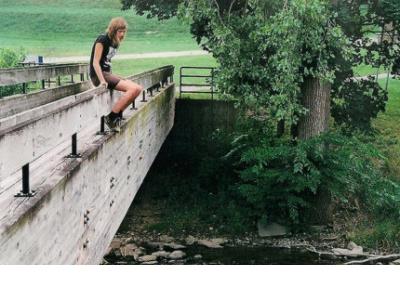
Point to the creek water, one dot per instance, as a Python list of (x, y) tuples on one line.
[(234, 256)]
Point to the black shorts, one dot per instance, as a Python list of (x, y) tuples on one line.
[(112, 80)]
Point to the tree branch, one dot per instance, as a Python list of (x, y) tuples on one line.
[(374, 259)]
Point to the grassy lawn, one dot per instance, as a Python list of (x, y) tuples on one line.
[(130, 67), (388, 126), (62, 28)]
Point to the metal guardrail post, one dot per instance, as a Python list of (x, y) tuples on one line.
[(144, 97), (74, 152), (102, 129), (212, 91), (26, 191)]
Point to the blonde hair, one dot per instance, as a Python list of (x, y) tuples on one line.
[(116, 24)]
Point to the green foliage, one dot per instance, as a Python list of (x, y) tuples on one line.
[(278, 179), (378, 234), (357, 102), (8, 59), (266, 51)]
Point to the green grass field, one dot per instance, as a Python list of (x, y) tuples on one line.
[(388, 126), (63, 28)]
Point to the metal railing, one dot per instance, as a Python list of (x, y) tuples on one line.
[(152, 81), (42, 73), (210, 77)]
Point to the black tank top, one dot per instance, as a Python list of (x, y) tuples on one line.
[(109, 51)]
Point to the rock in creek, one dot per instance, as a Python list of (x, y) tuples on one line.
[(162, 254), (190, 240), (178, 254), (166, 238), (272, 229), (147, 258), (209, 243), (396, 262), (149, 263), (174, 246), (353, 250), (116, 243)]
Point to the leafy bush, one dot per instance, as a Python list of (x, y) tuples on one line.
[(9, 59), (356, 103), (279, 178)]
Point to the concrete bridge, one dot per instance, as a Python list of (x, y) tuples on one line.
[(72, 206)]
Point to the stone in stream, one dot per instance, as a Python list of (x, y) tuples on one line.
[(131, 246), (115, 243), (190, 240), (149, 263), (126, 251), (396, 262), (353, 250), (174, 246), (209, 243), (178, 254), (166, 238), (198, 256), (162, 254), (147, 258), (272, 229)]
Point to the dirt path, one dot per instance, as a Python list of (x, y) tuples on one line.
[(72, 59)]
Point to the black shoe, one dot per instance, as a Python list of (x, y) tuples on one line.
[(114, 125)]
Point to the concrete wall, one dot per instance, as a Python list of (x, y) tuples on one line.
[(14, 76), (12, 105), (80, 203)]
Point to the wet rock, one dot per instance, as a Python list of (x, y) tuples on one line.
[(115, 243), (190, 240), (272, 229), (177, 262), (209, 243), (147, 258), (353, 250), (140, 251), (353, 246), (220, 241), (121, 263), (149, 262), (162, 254), (131, 246), (174, 246), (198, 256), (396, 262), (166, 238), (178, 254), (126, 251)]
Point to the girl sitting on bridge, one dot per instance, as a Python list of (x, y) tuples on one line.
[(104, 48)]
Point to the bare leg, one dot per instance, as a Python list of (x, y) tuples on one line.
[(131, 91)]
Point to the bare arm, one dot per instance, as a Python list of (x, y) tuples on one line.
[(98, 50)]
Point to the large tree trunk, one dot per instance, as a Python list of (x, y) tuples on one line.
[(316, 99)]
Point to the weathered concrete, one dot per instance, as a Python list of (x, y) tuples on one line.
[(81, 202), (32, 133), (12, 105), (14, 76)]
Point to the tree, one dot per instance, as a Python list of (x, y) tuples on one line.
[(287, 61)]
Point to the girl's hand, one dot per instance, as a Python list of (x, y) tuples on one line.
[(104, 84)]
